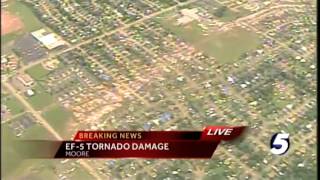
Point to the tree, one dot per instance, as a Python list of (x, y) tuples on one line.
[(220, 11)]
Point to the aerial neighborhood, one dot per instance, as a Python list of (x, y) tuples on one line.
[(69, 65)]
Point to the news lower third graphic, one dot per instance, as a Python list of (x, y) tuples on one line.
[(139, 144)]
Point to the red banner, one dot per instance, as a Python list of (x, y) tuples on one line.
[(147, 144)]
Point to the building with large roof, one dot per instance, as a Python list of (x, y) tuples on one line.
[(48, 39)]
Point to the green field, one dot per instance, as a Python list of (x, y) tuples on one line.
[(225, 47), (37, 132), (15, 165), (41, 99), (219, 11), (12, 104), (26, 15), (80, 174), (228, 46), (10, 156), (37, 72), (5, 39), (58, 118)]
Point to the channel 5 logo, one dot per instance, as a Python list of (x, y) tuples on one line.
[(279, 143)]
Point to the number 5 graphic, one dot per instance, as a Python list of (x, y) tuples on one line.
[(279, 143)]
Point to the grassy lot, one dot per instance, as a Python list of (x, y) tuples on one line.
[(222, 13), (14, 165), (5, 39), (80, 174), (41, 99), (45, 172), (26, 15), (37, 132), (13, 162), (12, 104), (229, 15), (226, 46), (37, 72), (58, 118), (10, 157)]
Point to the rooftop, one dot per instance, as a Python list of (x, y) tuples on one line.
[(49, 40)]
